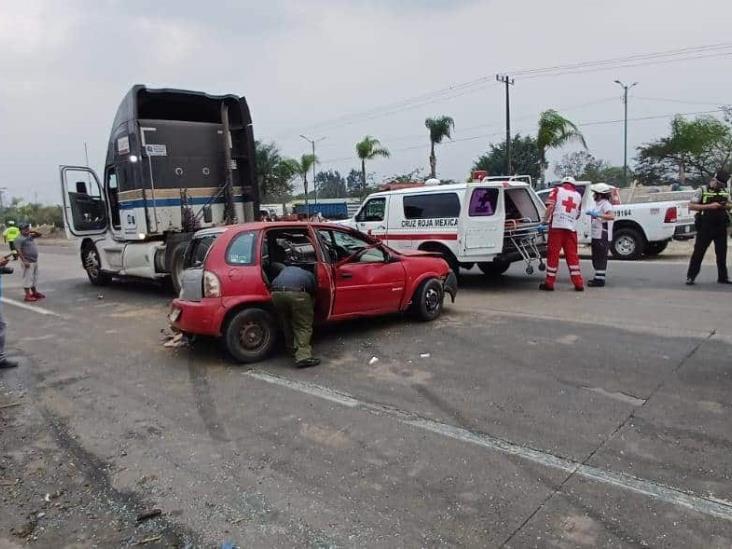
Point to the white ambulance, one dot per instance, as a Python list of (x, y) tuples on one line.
[(491, 222)]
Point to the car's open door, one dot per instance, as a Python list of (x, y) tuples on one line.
[(482, 220), (85, 210)]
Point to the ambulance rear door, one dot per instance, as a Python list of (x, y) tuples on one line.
[(482, 221)]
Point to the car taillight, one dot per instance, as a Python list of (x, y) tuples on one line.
[(211, 285), (671, 215)]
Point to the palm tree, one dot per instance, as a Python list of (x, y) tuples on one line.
[(439, 129), (302, 167), (368, 149), (555, 131)]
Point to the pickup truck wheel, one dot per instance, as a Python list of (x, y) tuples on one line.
[(428, 300), (655, 248), (628, 244), (93, 266), (494, 268), (250, 335)]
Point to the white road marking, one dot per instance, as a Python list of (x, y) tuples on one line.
[(702, 504), (34, 308)]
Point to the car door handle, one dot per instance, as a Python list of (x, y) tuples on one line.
[(345, 274)]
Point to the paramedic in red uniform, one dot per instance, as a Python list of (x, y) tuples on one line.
[(562, 213)]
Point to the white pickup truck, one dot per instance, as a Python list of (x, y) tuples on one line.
[(639, 229)]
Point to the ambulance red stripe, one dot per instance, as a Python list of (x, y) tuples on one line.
[(419, 236)]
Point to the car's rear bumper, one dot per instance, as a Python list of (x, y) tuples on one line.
[(685, 231), (203, 317)]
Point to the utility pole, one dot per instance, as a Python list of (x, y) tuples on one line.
[(625, 131), (315, 186), (503, 78)]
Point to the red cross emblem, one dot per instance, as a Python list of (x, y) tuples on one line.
[(569, 204)]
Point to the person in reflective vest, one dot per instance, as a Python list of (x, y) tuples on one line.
[(562, 213), (712, 205), (10, 235)]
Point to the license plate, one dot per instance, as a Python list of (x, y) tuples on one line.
[(174, 314)]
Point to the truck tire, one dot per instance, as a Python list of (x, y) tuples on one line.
[(655, 248), (176, 268), (428, 299), (250, 334), (494, 268), (628, 244), (93, 266)]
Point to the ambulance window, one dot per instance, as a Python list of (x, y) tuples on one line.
[(483, 202), (431, 205), (373, 210)]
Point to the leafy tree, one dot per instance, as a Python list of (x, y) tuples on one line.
[(368, 149), (555, 131), (354, 183), (585, 167), (274, 173), (331, 184), (439, 128), (525, 157), (33, 213), (693, 151)]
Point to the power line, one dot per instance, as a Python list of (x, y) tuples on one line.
[(472, 86), (682, 101)]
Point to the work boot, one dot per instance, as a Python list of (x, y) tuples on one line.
[(545, 287), (307, 362), (594, 283), (689, 281), (6, 363)]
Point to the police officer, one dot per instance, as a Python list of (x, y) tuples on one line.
[(293, 291), (712, 219), (10, 234)]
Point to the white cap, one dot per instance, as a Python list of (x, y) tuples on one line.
[(601, 188), (569, 179)]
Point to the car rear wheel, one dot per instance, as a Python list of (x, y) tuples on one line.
[(428, 300), (250, 335), (494, 268), (628, 244), (93, 266)]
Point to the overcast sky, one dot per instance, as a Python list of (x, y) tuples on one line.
[(65, 65)]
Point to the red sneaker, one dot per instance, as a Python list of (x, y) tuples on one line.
[(39, 295), (29, 297)]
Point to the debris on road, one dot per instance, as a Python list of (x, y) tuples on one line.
[(12, 404), (152, 513), (149, 540), (424, 355), (373, 360), (177, 340), (100, 296)]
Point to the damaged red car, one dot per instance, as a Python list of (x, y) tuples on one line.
[(225, 285)]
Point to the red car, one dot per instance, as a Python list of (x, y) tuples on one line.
[(225, 284)]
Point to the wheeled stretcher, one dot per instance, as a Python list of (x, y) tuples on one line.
[(523, 236)]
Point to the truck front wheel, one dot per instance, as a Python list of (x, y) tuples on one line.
[(250, 335), (628, 244), (93, 266)]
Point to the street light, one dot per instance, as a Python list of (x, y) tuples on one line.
[(625, 140), (315, 186)]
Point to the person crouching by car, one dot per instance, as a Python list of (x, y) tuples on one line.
[(27, 250), (601, 228)]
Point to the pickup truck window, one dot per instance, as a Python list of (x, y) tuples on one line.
[(373, 210), (483, 202), (241, 249), (431, 206)]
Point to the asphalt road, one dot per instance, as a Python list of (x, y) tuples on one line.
[(518, 419)]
